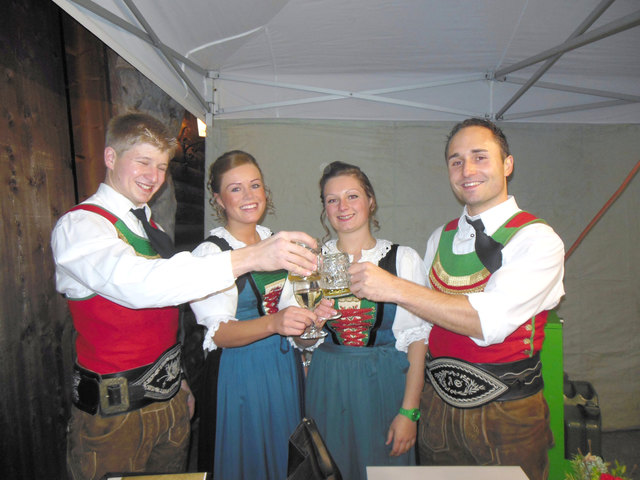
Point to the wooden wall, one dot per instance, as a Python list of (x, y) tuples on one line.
[(187, 171), (54, 108), (89, 105), (37, 186)]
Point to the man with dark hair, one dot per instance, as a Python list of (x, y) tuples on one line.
[(494, 273), (130, 413)]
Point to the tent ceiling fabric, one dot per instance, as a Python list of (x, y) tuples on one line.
[(382, 59)]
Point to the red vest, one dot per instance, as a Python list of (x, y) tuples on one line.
[(463, 274), (112, 338)]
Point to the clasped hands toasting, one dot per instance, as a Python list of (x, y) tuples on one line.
[(317, 279)]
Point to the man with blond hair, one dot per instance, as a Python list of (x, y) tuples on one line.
[(129, 411)]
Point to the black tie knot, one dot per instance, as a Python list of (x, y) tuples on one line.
[(488, 250), (160, 241)]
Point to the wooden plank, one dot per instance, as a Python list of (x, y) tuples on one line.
[(187, 174), (37, 162), (189, 194), (190, 214), (35, 159), (88, 103)]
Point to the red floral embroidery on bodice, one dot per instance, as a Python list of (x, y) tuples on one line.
[(353, 326), (270, 301)]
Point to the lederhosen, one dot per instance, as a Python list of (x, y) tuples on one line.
[(117, 370), (463, 374)]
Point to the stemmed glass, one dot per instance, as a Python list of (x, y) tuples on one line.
[(308, 293)]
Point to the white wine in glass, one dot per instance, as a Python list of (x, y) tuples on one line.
[(335, 279), (308, 297), (308, 294), (336, 292)]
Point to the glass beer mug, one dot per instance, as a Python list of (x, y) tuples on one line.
[(334, 275)]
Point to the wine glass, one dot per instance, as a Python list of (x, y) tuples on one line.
[(308, 294)]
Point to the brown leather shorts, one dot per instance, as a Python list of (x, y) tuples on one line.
[(154, 438), (514, 432)]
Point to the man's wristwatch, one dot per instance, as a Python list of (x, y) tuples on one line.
[(412, 414)]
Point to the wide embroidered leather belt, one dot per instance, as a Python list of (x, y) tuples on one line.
[(467, 385), (121, 392)]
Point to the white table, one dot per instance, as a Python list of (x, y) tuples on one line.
[(446, 473)]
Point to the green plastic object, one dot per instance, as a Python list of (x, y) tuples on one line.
[(553, 376)]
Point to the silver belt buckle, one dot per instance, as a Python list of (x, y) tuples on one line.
[(103, 388)]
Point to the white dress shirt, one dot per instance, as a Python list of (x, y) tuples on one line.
[(529, 280), (91, 259)]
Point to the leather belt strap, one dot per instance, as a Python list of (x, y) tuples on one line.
[(121, 392), (469, 385)]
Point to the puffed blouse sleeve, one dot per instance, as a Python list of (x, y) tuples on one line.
[(407, 327), (215, 309)]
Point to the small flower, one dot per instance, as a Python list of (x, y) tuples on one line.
[(592, 467)]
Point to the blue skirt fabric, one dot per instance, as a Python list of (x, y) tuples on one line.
[(353, 394), (258, 409)]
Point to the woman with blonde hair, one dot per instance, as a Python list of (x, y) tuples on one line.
[(252, 398)]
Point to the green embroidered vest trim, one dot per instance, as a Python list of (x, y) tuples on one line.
[(269, 288), (461, 274), (140, 244)]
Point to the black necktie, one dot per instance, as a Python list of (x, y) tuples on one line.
[(488, 250), (160, 241)]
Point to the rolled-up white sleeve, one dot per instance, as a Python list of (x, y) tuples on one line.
[(91, 258), (217, 308), (528, 282), (407, 327)]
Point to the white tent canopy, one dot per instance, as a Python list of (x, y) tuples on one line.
[(527, 60)]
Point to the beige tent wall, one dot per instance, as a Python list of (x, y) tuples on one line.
[(564, 173)]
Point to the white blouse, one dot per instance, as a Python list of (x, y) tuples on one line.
[(220, 308)]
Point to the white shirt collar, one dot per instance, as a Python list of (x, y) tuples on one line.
[(492, 218), (373, 255), (222, 232), (115, 202)]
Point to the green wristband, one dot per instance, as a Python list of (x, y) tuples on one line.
[(413, 414)]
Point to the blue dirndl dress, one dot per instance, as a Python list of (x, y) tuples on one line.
[(258, 403), (355, 386)]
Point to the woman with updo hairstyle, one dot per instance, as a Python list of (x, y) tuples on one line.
[(364, 383), (252, 399)]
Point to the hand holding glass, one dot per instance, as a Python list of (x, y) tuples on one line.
[(308, 294), (334, 273)]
